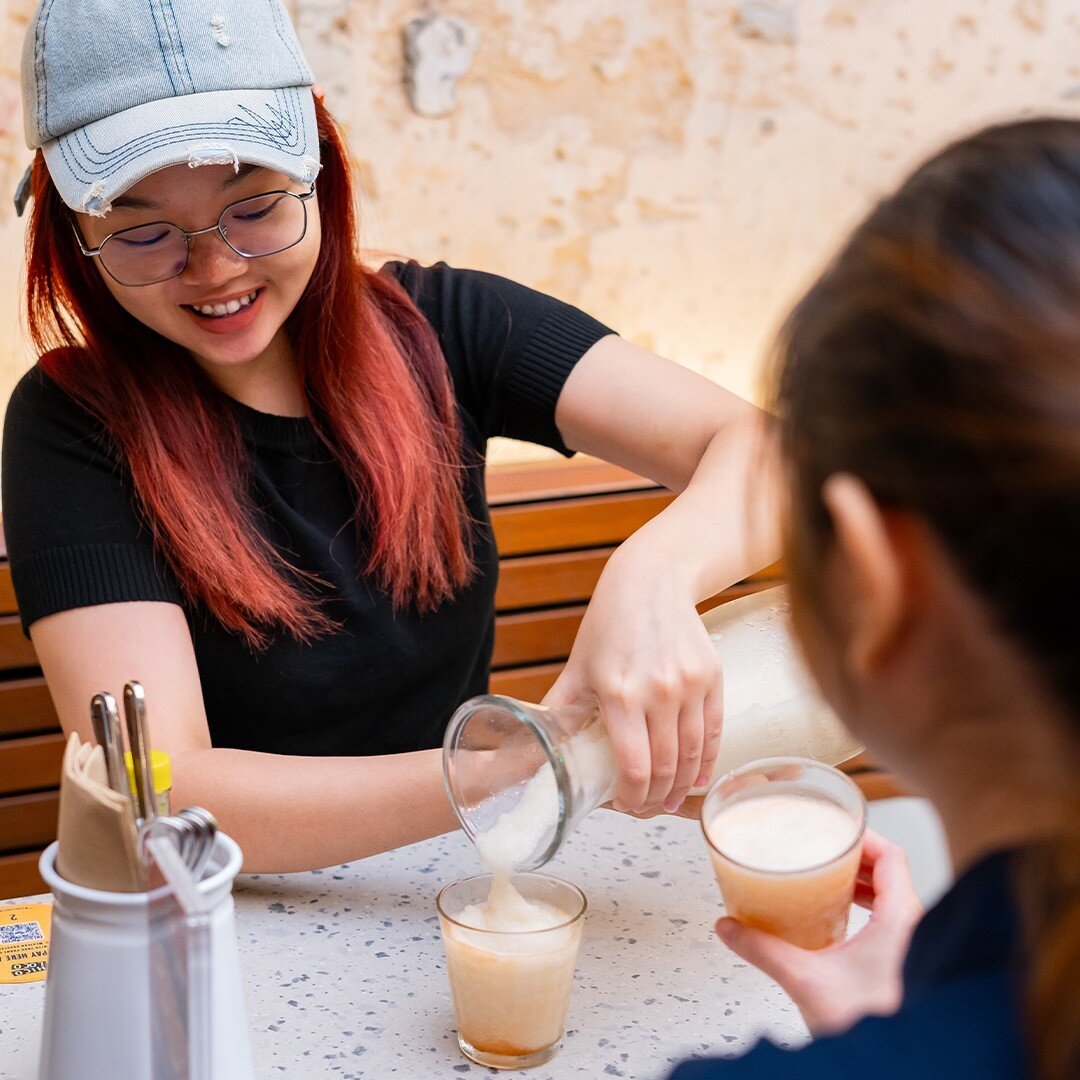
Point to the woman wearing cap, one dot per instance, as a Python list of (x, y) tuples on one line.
[(249, 471), (929, 401)]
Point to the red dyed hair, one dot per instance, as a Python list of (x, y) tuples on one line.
[(374, 376)]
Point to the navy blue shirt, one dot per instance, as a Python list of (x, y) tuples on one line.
[(960, 1017)]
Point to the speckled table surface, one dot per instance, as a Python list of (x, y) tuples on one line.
[(345, 976)]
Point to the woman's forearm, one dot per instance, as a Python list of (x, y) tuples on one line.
[(724, 524), (299, 813)]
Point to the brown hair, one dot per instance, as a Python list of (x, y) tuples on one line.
[(938, 360)]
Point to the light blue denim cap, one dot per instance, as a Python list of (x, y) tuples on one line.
[(114, 90)]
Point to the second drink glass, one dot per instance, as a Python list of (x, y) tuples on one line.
[(785, 838)]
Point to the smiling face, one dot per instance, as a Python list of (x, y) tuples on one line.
[(224, 309)]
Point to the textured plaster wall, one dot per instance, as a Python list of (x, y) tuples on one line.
[(677, 167)]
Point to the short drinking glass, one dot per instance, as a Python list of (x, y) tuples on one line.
[(511, 989), (785, 838)]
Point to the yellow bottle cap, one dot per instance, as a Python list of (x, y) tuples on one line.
[(160, 767)]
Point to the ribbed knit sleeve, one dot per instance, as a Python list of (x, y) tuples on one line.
[(509, 348), (74, 536)]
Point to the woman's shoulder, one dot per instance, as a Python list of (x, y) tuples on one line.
[(34, 389), (44, 422), (490, 314), (446, 293), (39, 398), (509, 348), (409, 273)]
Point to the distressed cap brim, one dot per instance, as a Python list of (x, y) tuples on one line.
[(274, 128)]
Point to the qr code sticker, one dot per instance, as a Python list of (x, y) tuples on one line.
[(18, 933), (22, 970)]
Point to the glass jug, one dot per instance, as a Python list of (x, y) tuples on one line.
[(522, 777)]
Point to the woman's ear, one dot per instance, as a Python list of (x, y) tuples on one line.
[(867, 553)]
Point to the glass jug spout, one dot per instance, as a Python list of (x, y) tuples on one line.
[(521, 777)]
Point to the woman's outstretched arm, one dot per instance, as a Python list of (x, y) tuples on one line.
[(641, 649), (286, 812)]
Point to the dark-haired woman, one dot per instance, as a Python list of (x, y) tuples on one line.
[(929, 395), (249, 471)]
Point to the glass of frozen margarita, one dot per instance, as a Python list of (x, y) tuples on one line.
[(511, 946), (785, 837)]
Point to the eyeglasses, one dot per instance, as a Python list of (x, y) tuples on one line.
[(254, 228)]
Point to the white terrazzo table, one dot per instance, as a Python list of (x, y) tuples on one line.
[(345, 976)]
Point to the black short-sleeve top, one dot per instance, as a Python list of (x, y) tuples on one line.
[(388, 681)]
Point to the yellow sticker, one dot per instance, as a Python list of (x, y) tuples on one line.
[(24, 942)]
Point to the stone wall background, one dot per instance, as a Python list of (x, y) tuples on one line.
[(679, 168)]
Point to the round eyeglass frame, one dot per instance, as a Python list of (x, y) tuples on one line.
[(302, 197)]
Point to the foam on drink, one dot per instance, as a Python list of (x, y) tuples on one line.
[(505, 847), (783, 832), (507, 911)]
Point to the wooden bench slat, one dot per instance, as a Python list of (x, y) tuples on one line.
[(744, 588), (526, 683), (859, 763), (8, 604), (16, 650), (19, 875), (557, 480), (578, 523), (30, 763), (879, 785), (567, 577), (535, 636), (26, 707), (28, 820)]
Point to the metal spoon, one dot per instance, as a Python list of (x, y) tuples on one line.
[(139, 740), (192, 832), (106, 721), (172, 828), (206, 832)]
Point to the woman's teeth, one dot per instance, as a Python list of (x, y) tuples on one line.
[(216, 311)]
